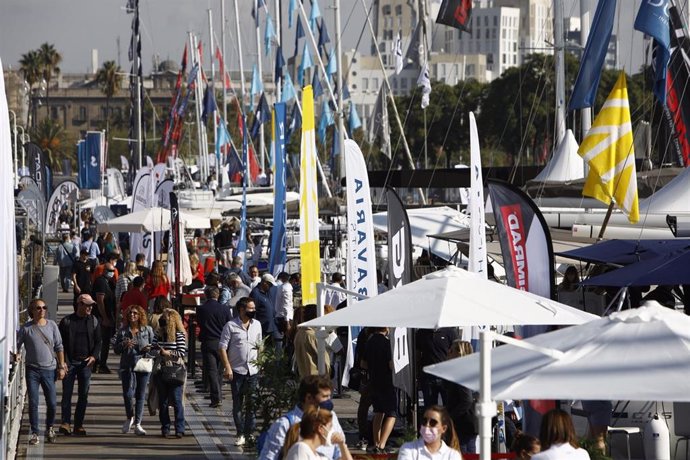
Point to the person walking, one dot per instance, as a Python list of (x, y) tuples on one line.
[(104, 291), (237, 289), (438, 438), (223, 243), (284, 309), (45, 360), (212, 317), (81, 276), (81, 339), (65, 256), (238, 349), (378, 360), (264, 299), (133, 342), (172, 347)]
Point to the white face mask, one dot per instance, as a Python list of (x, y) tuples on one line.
[(429, 434), (329, 437)]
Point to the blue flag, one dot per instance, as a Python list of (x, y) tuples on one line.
[(278, 255), (299, 33), (268, 35), (280, 63), (288, 93), (354, 121), (261, 116), (210, 106), (92, 152), (257, 87), (315, 13), (323, 36), (332, 67), (592, 63), (222, 136), (234, 162), (242, 241), (81, 162), (291, 12), (316, 85), (325, 121), (652, 19), (295, 121)]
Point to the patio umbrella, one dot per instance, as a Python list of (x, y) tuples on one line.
[(151, 220), (666, 269), (453, 297), (625, 252), (641, 355)]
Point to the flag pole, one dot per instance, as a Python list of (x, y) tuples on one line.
[(262, 158), (339, 89), (239, 48)]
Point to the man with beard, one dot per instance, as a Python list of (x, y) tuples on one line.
[(104, 291)]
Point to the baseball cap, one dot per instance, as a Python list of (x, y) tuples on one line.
[(269, 279), (86, 299)]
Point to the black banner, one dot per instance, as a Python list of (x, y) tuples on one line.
[(677, 112), (38, 168), (456, 13), (399, 273), (175, 238)]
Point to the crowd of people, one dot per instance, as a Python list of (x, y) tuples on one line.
[(127, 306)]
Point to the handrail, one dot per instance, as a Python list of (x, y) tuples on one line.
[(13, 406)]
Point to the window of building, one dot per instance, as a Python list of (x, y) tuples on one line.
[(375, 83), (386, 9), (493, 33), (388, 34), (398, 10), (394, 83), (82, 112), (486, 35), (495, 21), (365, 84), (403, 83), (384, 58), (503, 58), (486, 21), (514, 59)]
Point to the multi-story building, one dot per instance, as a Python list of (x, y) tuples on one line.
[(391, 17), (536, 25), (576, 45)]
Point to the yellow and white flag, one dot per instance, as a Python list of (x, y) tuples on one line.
[(608, 149), (308, 203)]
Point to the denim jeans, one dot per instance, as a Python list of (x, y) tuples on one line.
[(134, 386), (170, 395), (45, 378), (213, 369), (242, 385), (82, 373)]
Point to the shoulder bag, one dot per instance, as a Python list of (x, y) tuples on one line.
[(145, 363)]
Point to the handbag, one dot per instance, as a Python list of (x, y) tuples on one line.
[(173, 373), (144, 365)]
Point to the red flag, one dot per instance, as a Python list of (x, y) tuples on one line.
[(226, 77), (253, 164)]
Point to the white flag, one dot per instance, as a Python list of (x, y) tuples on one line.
[(425, 83), (397, 49)]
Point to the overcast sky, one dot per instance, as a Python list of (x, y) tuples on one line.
[(76, 27)]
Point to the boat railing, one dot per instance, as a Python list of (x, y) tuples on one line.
[(13, 405)]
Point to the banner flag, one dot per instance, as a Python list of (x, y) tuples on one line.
[(379, 123), (361, 256), (175, 240), (65, 192), (37, 170), (653, 19), (278, 255), (93, 152), (82, 162), (400, 273), (456, 13), (609, 151), (309, 203), (397, 50), (242, 241), (33, 203), (593, 58), (142, 197)]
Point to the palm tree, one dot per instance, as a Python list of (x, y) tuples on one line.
[(50, 58), (51, 136), (30, 67), (109, 78)]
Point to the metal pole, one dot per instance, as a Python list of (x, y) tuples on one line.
[(239, 47), (262, 159), (560, 70), (339, 89), (318, 161), (16, 149), (586, 113), (213, 88), (140, 152), (224, 69), (486, 408), (193, 52), (280, 42)]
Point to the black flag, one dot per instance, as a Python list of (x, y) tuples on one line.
[(399, 273), (175, 238), (38, 169), (455, 13)]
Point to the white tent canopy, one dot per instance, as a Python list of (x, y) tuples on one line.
[(453, 297), (151, 220), (638, 355), (565, 165), (430, 221)]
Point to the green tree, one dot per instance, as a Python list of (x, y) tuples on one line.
[(50, 67), (109, 78), (51, 136), (30, 66)]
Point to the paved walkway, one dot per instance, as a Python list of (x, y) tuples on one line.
[(210, 432)]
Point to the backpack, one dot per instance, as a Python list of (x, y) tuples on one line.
[(261, 440)]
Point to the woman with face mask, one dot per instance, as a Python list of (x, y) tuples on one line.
[(438, 439), (314, 430)]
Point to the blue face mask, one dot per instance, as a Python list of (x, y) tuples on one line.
[(327, 404)]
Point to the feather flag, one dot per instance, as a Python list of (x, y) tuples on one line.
[(354, 122), (309, 204), (280, 63), (257, 87), (425, 83), (288, 93), (291, 12), (278, 255), (608, 149), (268, 35), (592, 62), (652, 19), (397, 50)]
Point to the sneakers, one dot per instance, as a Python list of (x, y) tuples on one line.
[(127, 426), (65, 429), (139, 430), (50, 435), (362, 444), (80, 431), (240, 441), (33, 439)]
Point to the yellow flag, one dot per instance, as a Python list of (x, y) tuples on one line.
[(608, 149), (308, 203)]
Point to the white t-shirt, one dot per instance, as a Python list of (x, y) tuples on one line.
[(562, 452), (301, 451), (417, 450)]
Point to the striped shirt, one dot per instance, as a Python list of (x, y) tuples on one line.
[(178, 348)]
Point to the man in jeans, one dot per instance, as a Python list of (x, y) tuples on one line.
[(81, 338), (240, 340)]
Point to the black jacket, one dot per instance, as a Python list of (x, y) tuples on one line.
[(68, 331)]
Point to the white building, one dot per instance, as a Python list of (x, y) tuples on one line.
[(536, 25)]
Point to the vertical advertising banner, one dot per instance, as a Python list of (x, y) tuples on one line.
[(278, 255)]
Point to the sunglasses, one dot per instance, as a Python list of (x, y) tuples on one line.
[(40, 307), (432, 422)]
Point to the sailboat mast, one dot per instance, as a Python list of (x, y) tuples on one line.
[(339, 89), (586, 113), (213, 90), (197, 107), (560, 70), (280, 43), (239, 48), (262, 159), (224, 69)]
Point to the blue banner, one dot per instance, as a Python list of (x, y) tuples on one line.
[(242, 243), (81, 163), (278, 255), (593, 58), (652, 19), (93, 145)]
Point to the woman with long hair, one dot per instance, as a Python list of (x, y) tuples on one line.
[(525, 446), (157, 283), (154, 315), (558, 438), (438, 438), (132, 342), (198, 280), (172, 346), (313, 431)]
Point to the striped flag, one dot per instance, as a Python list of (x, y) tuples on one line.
[(608, 149), (308, 203)]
